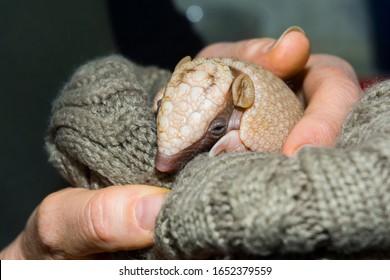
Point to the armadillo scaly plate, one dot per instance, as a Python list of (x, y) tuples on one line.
[(221, 105)]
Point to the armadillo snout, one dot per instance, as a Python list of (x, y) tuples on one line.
[(169, 164), (173, 163)]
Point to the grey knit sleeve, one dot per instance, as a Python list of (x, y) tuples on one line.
[(102, 128), (319, 203)]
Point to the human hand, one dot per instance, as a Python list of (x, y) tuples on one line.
[(77, 223), (328, 83)]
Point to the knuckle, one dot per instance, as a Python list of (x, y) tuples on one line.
[(44, 223), (346, 66), (325, 132), (338, 65), (350, 91), (98, 218), (342, 78), (329, 129), (252, 48), (345, 92)]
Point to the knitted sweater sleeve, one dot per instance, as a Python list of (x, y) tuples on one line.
[(321, 202), (102, 129)]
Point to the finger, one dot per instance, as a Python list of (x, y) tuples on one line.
[(331, 89), (284, 57), (73, 223)]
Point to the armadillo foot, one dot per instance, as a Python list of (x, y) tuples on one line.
[(230, 142)]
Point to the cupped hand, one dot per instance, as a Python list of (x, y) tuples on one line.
[(329, 84), (77, 223)]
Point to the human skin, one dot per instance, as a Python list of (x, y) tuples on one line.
[(76, 223), (328, 84)]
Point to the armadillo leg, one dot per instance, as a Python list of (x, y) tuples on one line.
[(230, 142)]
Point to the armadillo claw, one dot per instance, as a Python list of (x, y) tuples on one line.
[(230, 142)]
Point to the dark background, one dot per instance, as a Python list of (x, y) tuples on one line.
[(43, 42)]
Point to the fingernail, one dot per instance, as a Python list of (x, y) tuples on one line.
[(147, 209), (288, 30)]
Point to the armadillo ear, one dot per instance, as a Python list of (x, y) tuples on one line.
[(243, 91), (157, 99), (182, 61)]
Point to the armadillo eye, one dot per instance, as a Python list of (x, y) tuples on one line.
[(218, 130), (218, 127)]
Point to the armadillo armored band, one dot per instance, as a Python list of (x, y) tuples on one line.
[(320, 203)]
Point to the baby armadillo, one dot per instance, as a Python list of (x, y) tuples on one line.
[(224, 105)]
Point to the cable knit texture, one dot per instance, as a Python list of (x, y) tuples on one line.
[(321, 203), (102, 130)]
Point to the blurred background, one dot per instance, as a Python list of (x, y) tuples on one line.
[(42, 42)]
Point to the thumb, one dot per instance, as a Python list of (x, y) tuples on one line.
[(284, 57), (77, 223)]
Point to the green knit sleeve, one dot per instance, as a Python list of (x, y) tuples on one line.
[(319, 203), (102, 129)]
